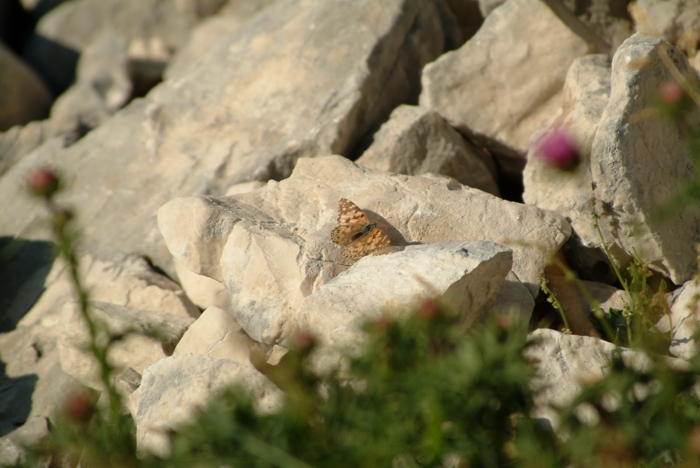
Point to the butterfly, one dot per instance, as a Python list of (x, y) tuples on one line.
[(356, 233)]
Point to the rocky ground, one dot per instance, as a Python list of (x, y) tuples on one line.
[(206, 144)]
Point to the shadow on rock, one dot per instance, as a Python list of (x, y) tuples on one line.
[(24, 265), (15, 399)]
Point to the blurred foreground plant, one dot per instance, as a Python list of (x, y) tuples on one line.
[(85, 432)]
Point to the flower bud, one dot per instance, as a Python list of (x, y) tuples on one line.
[(429, 308), (670, 92), (43, 182), (79, 407), (558, 149)]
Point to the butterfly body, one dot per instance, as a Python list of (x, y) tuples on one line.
[(356, 233)]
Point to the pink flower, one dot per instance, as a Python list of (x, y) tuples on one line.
[(558, 149), (79, 407), (429, 308), (43, 182), (670, 92), (382, 322), (303, 340)]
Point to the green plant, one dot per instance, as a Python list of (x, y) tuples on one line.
[(85, 431)]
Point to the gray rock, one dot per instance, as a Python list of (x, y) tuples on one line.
[(148, 336), (627, 156), (235, 239), (676, 21), (248, 111), (586, 94), (417, 141), (23, 139), (506, 80), (465, 276), (153, 29), (13, 447), (173, 389), (24, 96), (565, 363), (212, 30), (487, 6), (103, 85), (683, 322), (514, 298), (31, 380)]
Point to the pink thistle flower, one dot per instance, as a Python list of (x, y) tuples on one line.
[(558, 149)]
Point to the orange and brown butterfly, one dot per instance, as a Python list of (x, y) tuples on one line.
[(356, 233)]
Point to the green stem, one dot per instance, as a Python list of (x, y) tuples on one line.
[(571, 276), (544, 285), (604, 244)]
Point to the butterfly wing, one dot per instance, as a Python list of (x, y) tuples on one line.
[(351, 220), (374, 240)]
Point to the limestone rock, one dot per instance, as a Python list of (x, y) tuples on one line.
[(231, 16), (586, 94), (128, 282), (203, 291), (487, 6), (22, 139), (566, 362), (216, 334), (103, 85), (513, 298), (627, 156), (676, 21), (247, 111), (506, 80), (271, 247), (147, 337), (30, 375), (465, 276), (13, 447), (154, 29), (417, 141), (24, 96), (683, 321), (174, 388)]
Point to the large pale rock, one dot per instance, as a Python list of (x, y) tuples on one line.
[(247, 111), (417, 141), (13, 447), (103, 85), (22, 139), (32, 382), (683, 320), (23, 95), (216, 334), (465, 276), (506, 80), (173, 389), (586, 94), (628, 155), (210, 31), (147, 337), (128, 282), (271, 247), (153, 29), (565, 363), (203, 291), (677, 21), (34, 294), (514, 299)]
